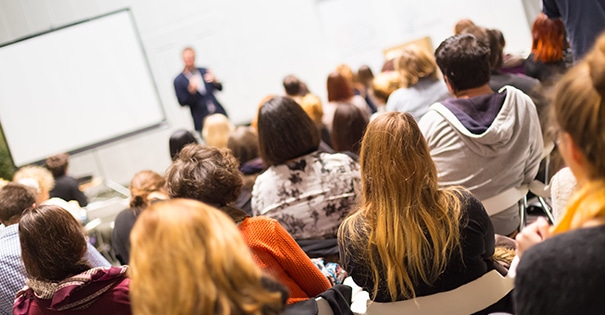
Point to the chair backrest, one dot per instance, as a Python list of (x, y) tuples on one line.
[(466, 299)]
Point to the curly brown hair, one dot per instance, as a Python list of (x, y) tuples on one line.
[(207, 174)]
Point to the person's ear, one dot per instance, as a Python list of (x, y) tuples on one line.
[(449, 86)]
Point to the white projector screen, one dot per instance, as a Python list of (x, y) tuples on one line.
[(76, 87)]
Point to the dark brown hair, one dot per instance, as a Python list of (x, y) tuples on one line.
[(14, 199), (285, 131), (348, 127), (57, 164), (464, 61), (52, 244), (178, 140), (339, 88), (204, 173)]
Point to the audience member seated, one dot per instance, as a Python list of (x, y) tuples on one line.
[(487, 142), (358, 87), (365, 76), (498, 79), (384, 84), (546, 61), (561, 268), (60, 278), (348, 127), (307, 191), (178, 140), (15, 199), (66, 187), (409, 238), (341, 92), (312, 105), (243, 143), (211, 175), (217, 128), (421, 84), (461, 25), (292, 87), (188, 258), (41, 179), (145, 187)]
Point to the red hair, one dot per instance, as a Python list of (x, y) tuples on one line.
[(548, 39)]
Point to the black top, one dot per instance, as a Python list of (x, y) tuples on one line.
[(120, 238), (563, 275), (66, 188), (477, 240), (545, 72)]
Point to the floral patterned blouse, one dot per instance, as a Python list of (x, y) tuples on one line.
[(309, 196)]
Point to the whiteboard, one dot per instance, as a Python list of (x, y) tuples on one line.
[(76, 87)]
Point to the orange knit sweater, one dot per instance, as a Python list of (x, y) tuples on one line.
[(276, 252)]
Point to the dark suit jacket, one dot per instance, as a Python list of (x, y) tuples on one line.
[(198, 103)]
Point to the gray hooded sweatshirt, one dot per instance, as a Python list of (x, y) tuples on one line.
[(481, 147)]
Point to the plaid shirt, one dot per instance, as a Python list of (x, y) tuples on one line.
[(12, 270)]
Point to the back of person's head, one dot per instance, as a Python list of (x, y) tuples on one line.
[(461, 25), (285, 131), (217, 128), (346, 72), (339, 88), (464, 61), (292, 85), (52, 244), (386, 83), (348, 127), (365, 75), (579, 107), (179, 139), (206, 174), (57, 164), (14, 199), (37, 177), (406, 216), (548, 39), (415, 63), (142, 185), (388, 65), (311, 104), (189, 258), (243, 143)]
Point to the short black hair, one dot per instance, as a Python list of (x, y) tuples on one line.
[(178, 140), (285, 131), (464, 61)]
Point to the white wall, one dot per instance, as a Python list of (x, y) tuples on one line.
[(251, 46)]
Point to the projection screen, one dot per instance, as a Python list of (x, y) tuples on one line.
[(76, 87)]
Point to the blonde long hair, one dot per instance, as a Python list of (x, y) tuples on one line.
[(405, 226), (189, 258)]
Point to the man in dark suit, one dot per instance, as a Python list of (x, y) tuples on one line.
[(195, 88)]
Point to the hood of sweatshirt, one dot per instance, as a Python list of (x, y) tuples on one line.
[(486, 121), (77, 292)]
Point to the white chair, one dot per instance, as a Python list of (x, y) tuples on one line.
[(466, 299)]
